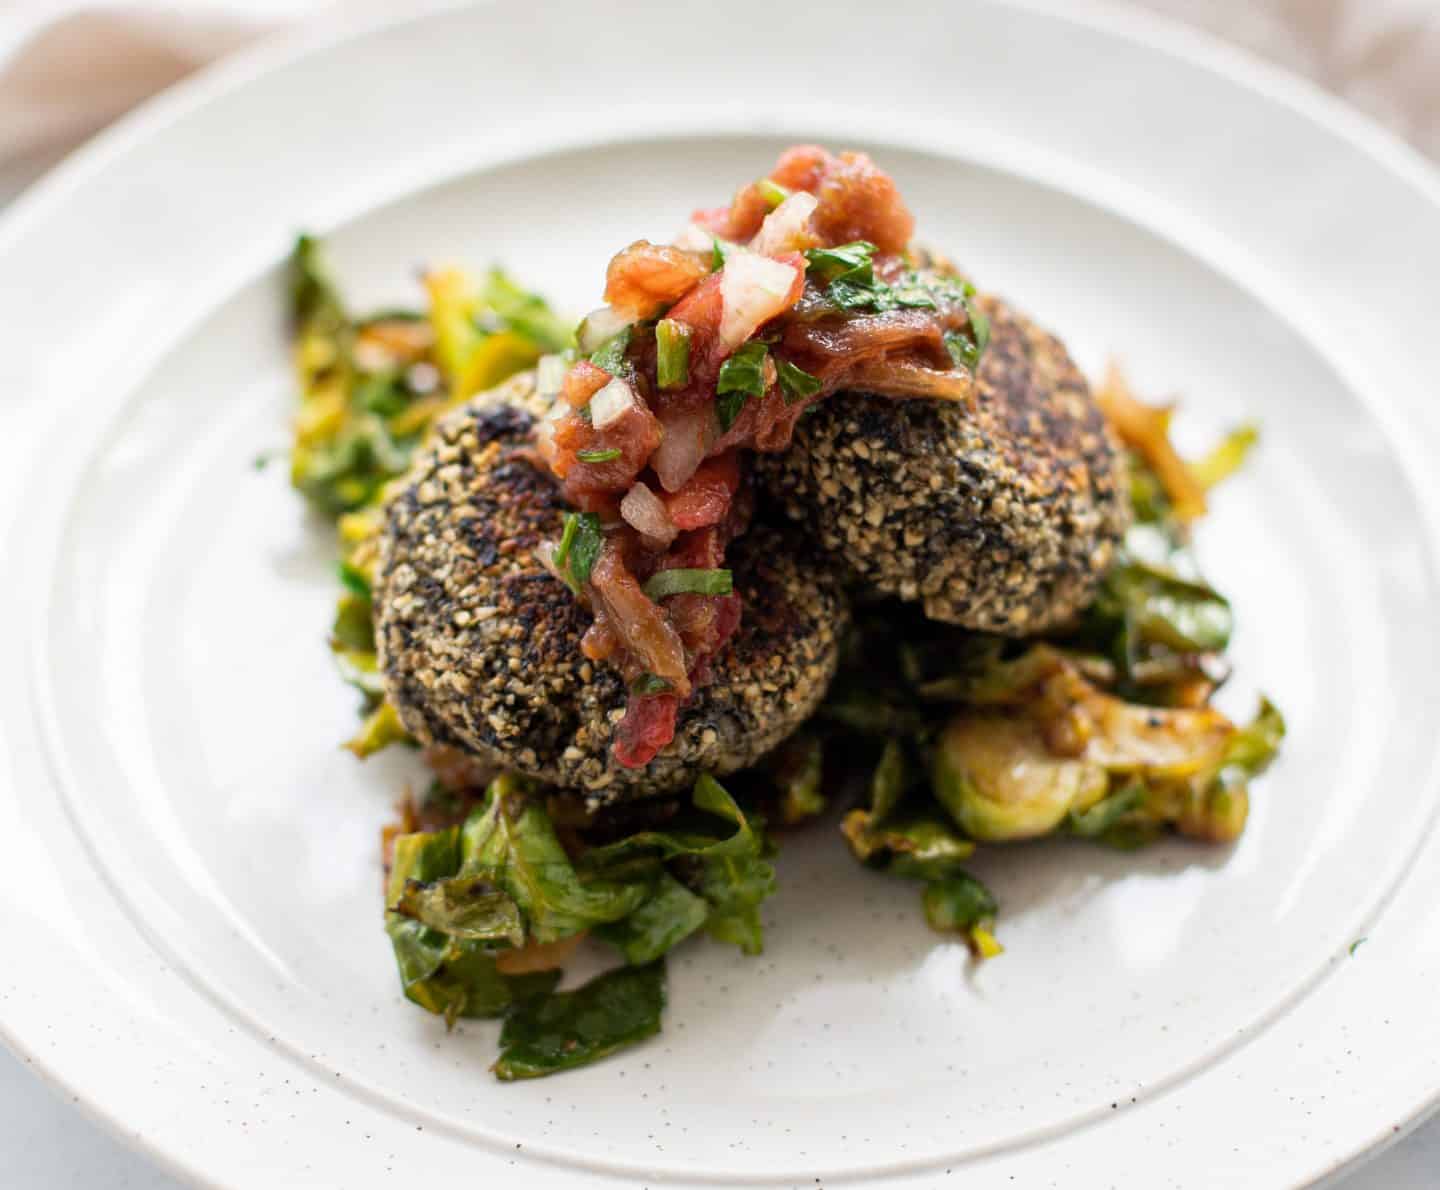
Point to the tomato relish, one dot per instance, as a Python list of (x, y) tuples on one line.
[(709, 348)]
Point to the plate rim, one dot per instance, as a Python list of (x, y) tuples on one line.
[(1149, 31)]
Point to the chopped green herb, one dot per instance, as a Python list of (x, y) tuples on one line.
[(588, 541), (795, 382), (853, 262), (681, 581), (772, 192), (717, 256), (1354, 946), (981, 324), (647, 684), (741, 376), (672, 354), (598, 456), (567, 539), (611, 354), (744, 371), (963, 351), (580, 543)]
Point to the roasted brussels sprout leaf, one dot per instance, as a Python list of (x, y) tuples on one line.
[(731, 872), (796, 769), (962, 905), (567, 1029), (670, 915), (916, 848), (442, 973), (510, 843), (468, 906)]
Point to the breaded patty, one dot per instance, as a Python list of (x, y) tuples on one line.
[(999, 515), (480, 646)]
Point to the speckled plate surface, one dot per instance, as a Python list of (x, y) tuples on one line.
[(191, 903)]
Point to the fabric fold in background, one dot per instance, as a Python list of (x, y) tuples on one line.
[(68, 69)]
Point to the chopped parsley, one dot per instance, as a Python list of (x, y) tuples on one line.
[(647, 684), (741, 376), (609, 454), (580, 544), (610, 355), (682, 581), (796, 383), (853, 262)]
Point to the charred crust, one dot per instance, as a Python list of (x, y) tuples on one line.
[(480, 646), (999, 516)]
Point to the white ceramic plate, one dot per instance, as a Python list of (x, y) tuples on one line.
[(190, 914)]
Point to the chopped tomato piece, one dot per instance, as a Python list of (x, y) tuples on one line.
[(648, 725), (582, 382), (802, 167), (635, 435), (859, 201), (705, 500), (747, 212), (645, 278)]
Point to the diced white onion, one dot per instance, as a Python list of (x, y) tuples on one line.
[(753, 289), (687, 436), (550, 374), (784, 226), (600, 325), (643, 509), (695, 238), (611, 403)]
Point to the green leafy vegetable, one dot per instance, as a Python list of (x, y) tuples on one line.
[(958, 903), (744, 371), (671, 915), (510, 843), (796, 383), (683, 581), (353, 580), (606, 455), (581, 541), (731, 872), (796, 769), (444, 974), (853, 262), (915, 847), (610, 356), (672, 354), (469, 909), (741, 376), (962, 905), (569, 1029)]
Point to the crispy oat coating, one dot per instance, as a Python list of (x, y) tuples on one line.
[(480, 645), (1000, 516)]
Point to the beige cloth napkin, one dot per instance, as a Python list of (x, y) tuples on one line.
[(68, 68)]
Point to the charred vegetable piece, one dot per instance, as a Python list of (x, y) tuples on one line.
[(999, 782)]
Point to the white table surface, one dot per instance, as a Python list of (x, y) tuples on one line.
[(47, 1143)]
